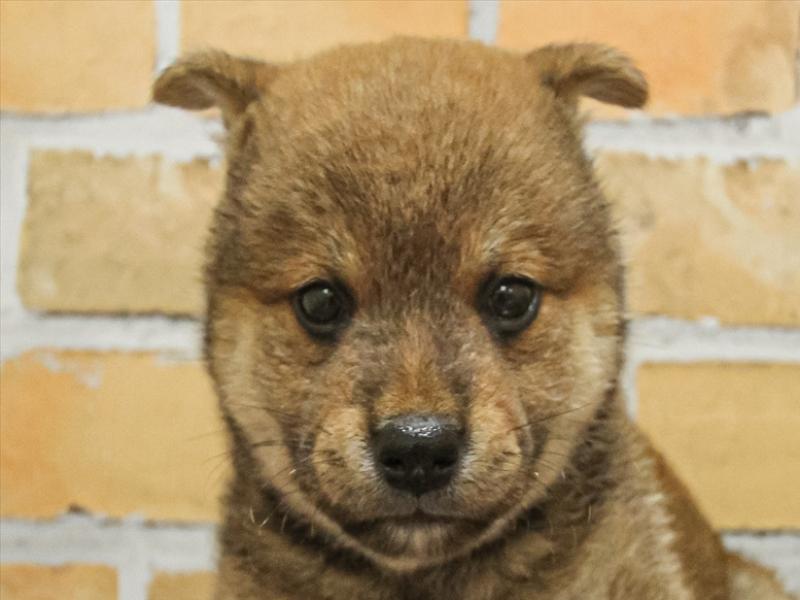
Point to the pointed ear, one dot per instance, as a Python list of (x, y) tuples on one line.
[(214, 78), (593, 70)]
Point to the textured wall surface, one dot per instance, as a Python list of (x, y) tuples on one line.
[(111, 454)]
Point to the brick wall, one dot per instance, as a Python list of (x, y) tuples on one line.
[(111, 449)]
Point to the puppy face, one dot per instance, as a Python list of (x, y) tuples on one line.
[(413, 285)]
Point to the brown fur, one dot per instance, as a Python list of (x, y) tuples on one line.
[(410, 171)]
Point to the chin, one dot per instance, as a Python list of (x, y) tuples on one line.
[(424, 541), (416, 541)]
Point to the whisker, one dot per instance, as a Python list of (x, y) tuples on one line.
[(540, 420)]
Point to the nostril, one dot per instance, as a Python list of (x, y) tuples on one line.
[(392, 463), (444, 463), (445, 454)]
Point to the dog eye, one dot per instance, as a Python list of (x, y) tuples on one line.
[(510, 304), (321, 308)]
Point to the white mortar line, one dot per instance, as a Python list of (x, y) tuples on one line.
[(483, 20), (168, 24), (137, 550), (778, 550), (180, 135), (659, 339), (176, 549), (13, 169), (663, 340), (176, 134), (88, 539), (722, 140), (134, 574), (23, 331)]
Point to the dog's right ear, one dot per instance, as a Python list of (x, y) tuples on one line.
[(594, 70), (214, 78)]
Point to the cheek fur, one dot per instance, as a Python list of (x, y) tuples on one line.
[(497, 444), (341, 457), (493, 460)]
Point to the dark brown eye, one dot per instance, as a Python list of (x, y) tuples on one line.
[(321, 308), (510, 304)]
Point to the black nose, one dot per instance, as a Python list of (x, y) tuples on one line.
[(418, 453)]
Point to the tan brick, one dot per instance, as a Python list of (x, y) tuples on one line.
[(709, 240), (34, 582), (285, 30), (182, 586), (699, 57), (730, 432), (114, 434), (115, 235), (60, 56)]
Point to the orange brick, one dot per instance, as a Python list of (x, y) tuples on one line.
[(285, 30), (115, 234), (75, 56), (114, 434), (182, 586), (709, 240), (33, 582), (699, 57), (730, 432)]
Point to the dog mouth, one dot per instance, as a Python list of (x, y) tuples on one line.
[(417, 521), (421, 518)]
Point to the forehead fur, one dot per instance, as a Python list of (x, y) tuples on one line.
[(412, 155)]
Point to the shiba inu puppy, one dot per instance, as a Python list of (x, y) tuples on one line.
[(415, 330)]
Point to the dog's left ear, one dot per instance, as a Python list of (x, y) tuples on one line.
[(214, 78), (593, 70)]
